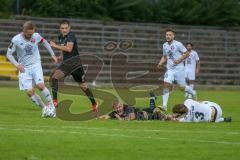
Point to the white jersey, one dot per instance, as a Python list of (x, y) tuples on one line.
[(27, 50), (191, 62), (173, 52), (198, 111)]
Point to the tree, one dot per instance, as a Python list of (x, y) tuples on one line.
[(194, 12)]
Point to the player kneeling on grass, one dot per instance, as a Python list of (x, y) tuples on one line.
[(25, 44), (194, 111), (126, 112)]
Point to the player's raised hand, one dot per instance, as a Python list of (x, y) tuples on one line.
[(20, 68), (53, 44), (55, 59)]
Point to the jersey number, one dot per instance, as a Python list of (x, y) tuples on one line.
[(199, 115)]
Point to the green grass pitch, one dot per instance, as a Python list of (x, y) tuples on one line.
[(24, 135)]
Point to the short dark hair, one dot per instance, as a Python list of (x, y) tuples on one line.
[(170, 30), (64, 22), (115, 103), (189, 43), (28, 25), (180, 109)]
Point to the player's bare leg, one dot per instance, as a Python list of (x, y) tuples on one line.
[(89, 94), (36, 99)]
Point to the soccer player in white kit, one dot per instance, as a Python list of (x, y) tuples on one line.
[(192, 67), (174, 53), (194, 111), (25, 45)]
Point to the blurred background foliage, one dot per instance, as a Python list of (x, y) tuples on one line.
[(194, 12)]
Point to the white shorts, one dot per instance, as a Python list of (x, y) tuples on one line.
[(218, 108), (219, 112), (30, 77), (177, 75), (190, 75)]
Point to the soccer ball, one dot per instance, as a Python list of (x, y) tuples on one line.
[(48, 112)]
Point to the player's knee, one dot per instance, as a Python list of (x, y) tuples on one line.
[(58, 75), (191, 82), (166, 85), (41, 86), (30, 93)]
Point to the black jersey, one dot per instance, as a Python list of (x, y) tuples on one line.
[(127, 110), (63, 40)]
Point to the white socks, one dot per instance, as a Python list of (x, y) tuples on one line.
[(37, 100), (190, 90), (165, 97), (220, 120), (187, 94), (48, 96)]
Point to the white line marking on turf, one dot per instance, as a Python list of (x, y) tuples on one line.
[(124, 129), (116, 135)]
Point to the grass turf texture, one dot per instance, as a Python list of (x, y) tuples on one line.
[(24, 135)]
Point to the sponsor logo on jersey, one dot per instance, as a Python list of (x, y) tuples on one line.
[(33, 40)]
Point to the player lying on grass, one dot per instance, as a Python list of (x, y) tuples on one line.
[(194, 111), (25, 45), (126, 112)]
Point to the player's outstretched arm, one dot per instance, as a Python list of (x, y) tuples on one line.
[(198, 67), (49, 49), (162, 61), (104, 117), (11, 58), (68, 48)]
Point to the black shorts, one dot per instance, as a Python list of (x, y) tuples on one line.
[(79, 75), (74, 67)]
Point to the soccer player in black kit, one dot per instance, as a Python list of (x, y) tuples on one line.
[(69, 51)]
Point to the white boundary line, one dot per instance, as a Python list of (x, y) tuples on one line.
[(118, 129), (116, 135)]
